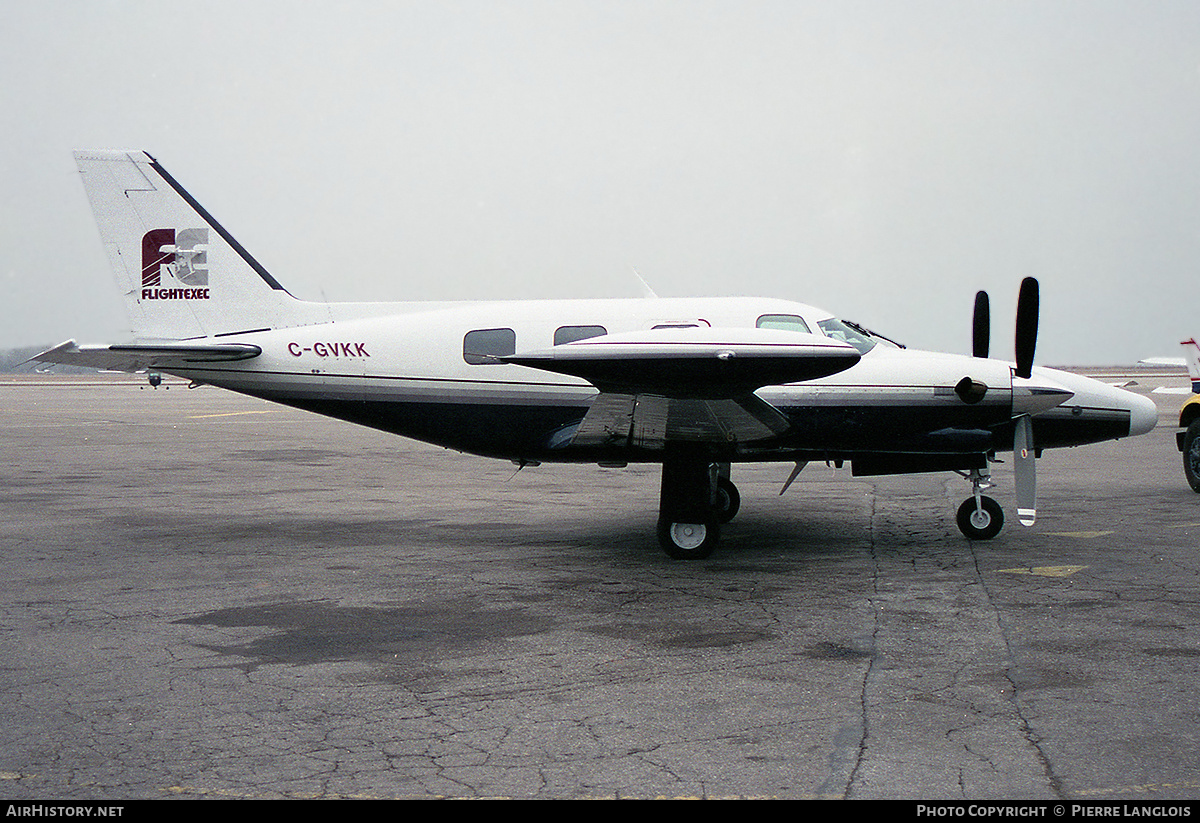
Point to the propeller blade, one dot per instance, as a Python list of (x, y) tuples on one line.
[(1027, 326), (1024, 470), (981, 326)]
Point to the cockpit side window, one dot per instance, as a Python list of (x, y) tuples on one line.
[(841, 331), (783, 322)]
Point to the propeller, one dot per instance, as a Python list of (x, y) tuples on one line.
[(1024, 471), (968, 390), (1027, 326), (1024, 452), (981, 326), (1032, 396)]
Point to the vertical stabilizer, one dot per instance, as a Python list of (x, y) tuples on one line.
[(182, 275)]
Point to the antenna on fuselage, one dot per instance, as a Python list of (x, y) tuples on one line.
[(646, 290)]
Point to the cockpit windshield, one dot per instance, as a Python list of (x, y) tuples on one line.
[(849, 332)]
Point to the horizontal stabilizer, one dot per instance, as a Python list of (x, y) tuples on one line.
[(133, 357), (693, 362)]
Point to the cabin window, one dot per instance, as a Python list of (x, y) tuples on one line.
[(569, 334), (783, 322), (482, 346)]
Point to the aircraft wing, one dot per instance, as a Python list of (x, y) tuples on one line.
[(694, 362), (693, 384), (133, 357)]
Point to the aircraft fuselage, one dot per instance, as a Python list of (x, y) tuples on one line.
[(409, 369)]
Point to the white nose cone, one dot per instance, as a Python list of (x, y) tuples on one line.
[(1143, 414)]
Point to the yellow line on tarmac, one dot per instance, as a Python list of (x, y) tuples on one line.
[(1046, 571)]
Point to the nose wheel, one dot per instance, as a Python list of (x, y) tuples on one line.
[(980, 517)]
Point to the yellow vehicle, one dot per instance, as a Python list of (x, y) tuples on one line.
[(1188, 437)]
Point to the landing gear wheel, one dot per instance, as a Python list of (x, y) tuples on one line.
[(1191, 455), (728, 500), (981, 522), (688, 541)]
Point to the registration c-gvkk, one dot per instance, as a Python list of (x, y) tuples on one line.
[(335, 349)]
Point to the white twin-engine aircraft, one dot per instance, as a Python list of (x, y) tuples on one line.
[(694, 384)]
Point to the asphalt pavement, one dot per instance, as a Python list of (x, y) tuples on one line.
[(208, 596)]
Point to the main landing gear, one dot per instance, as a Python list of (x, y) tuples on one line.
[(980, 517), (696, 498)]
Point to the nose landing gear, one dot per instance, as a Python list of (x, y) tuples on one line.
[(980, 517)]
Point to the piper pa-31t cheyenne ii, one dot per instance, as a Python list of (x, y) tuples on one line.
[(697, 385)]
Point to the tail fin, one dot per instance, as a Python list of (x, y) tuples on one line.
[(1191, 351), (182, 274)]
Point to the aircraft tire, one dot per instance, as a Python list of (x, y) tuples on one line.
[(1191, 455), (980, 524), (728, 500), (688, 541)]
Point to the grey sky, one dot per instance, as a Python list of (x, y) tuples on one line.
[(883, 160)]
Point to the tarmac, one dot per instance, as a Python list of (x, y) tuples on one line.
[(208, 596)]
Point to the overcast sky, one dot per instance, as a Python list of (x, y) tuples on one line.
[(883, 160)]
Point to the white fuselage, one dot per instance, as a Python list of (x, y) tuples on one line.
[(409, 369)]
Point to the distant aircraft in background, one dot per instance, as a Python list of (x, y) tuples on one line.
[(1163, 361), (695, 384), (1188, 439)]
